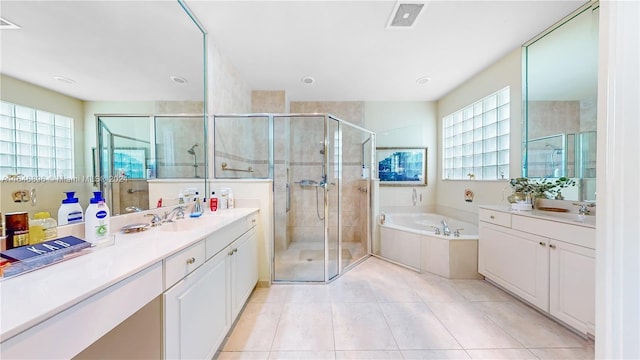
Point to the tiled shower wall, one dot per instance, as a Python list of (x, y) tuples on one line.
[(304, 227), (561, 117)]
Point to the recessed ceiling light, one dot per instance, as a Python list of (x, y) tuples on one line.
[(64, 79), (308, 80), (178, 79), (423, 80)]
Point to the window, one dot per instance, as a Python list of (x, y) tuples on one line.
[(476, 140), (35, 143)]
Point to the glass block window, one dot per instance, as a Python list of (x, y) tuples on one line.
[(476, 140), (35, 143)]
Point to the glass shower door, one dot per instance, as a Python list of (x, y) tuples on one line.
[(299, 198), (332, 195)]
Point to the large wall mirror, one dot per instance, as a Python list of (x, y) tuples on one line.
[(561, 98), (135, 69)]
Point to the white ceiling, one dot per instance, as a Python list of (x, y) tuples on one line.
[(347, 48), (126, 50)]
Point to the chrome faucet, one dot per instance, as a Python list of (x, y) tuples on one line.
[(175, 213), (445, 228), (156, 221), (584, 208)]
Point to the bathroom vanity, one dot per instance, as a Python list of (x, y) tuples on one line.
[(183, 283), (546, 259)]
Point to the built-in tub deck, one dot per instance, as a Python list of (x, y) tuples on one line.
[(410, 239)]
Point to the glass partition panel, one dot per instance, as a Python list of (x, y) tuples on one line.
[(241, 146)]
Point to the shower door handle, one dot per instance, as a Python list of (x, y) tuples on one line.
[(288, 197)]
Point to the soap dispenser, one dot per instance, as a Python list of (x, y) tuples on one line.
[(96, 223), (70, 211)]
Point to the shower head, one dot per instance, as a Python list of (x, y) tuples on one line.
[(191, 151)]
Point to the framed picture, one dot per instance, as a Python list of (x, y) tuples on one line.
[(402, 166)]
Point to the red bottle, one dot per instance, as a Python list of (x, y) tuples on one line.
[(213, 202)]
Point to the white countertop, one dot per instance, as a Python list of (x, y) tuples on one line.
[(30, 298), (563, 217)]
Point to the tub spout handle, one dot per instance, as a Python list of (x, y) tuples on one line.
[(436, 230), (456, 233)]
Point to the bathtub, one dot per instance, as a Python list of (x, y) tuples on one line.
[(409, 239)]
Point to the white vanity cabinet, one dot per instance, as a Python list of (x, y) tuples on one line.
[(200, 308), (195, 316), (549, 264), (515, 260), (572, 292), (242, 262)]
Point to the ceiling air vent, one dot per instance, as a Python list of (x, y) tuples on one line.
[(404, 14)]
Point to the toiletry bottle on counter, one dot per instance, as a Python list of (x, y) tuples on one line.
[(213, 202), (96, 222), (231, 201), (196, 211), (70, 211), (224, 196), (42, 228)]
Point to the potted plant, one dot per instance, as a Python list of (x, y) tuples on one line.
[(539, 188)]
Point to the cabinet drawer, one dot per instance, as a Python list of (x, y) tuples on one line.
[(251, 221), (495, 217), (223, 237), (181, 264), (573, 234)]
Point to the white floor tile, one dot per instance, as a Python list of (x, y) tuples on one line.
[(379, 310), (361, 326), (529, 327), (491, 354), (373, 355), (255, 329), (311, 355), (304, 327), (471, 328), (434, 354), (415, 327)]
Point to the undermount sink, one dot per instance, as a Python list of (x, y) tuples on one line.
[(585, 219), (179, 225)]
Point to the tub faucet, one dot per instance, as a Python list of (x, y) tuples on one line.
[(445, 228)]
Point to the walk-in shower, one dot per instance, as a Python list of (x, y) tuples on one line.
[(140, 147), (321, 200)]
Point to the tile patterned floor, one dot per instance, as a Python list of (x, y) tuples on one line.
[(382, 311)]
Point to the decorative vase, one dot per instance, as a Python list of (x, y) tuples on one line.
[(516, 196)]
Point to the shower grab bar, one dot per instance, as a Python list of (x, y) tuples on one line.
[(307, 182), (131, 191), (226, 167), (288, 200)]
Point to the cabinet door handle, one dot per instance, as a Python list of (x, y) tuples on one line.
[(230, 253), (235, 250), (191, 260), (492, 217), (552, 246), (542, 243)]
